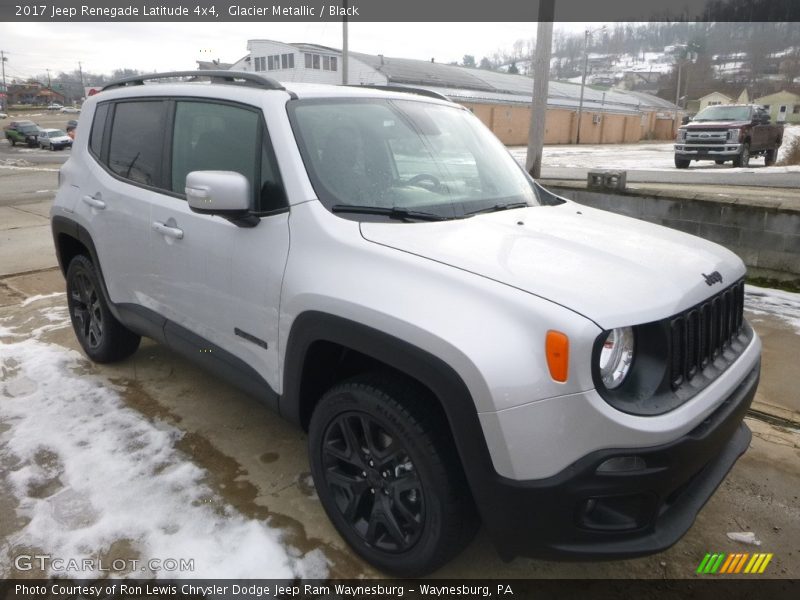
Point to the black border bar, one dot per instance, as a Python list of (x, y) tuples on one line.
[(398, 10)]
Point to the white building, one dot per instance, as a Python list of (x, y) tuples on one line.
[(310, 63)]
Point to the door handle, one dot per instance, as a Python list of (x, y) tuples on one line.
[(94, 202), (172, 232)]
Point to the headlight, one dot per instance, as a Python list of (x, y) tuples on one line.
[(616, 357), (681, 135), (733, 135)]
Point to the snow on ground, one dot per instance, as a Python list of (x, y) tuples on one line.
[(777, 303), (790, 134), (88, 472), (643, 156)]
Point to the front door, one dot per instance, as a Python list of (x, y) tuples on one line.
[(216, 279)]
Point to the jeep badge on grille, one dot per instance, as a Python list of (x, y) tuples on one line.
[(712, 278)]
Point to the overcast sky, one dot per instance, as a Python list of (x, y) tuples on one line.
[(31, 48)]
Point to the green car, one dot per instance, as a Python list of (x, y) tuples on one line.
[(23, 132)]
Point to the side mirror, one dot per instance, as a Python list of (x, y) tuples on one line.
[(223, 193)]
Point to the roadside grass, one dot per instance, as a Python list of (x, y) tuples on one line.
[(767, 282)]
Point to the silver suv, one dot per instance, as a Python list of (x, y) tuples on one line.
[(462, 346)]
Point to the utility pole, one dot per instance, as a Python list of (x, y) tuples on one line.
[(541, 80), (49, 85), (5, 89), (587, 35), (83, 87), (344, 43)]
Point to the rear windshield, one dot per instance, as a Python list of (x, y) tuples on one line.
[(406, 154)]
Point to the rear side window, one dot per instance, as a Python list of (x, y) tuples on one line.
[(98, 129), (137, 138), (214, 137)]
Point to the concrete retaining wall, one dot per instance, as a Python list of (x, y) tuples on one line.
[(765, 237)]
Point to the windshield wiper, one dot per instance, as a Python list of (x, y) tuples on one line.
[(497, 207), (393, 212)]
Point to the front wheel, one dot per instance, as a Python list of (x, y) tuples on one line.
[(388, 474), (682, 163), (769, 157), (13, 141), (100, 334), (743, 160)]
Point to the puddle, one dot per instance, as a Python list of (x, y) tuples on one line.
[(135, 396), (269, 457)]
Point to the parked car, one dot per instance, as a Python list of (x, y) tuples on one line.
[(55, 139), (55, 106), (728, 132), (3, 115), (70, 109), (461, 345), (23, 132)]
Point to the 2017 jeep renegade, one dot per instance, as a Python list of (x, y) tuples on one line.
[(461, 345)]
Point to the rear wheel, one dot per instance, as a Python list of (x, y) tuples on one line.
[(769, 157), (100, 334), (682, 163), (388, 475), (720, 162)]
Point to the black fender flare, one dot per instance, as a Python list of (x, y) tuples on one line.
[(62, 225), (451, 391)]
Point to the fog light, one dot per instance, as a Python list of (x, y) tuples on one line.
[(622, 464)]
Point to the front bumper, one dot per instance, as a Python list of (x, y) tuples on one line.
[(581, 513), (707, 152)]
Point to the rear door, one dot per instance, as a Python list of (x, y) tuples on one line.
[(126, 145)]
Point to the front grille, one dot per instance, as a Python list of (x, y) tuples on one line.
[(700, 334), (706, 137)]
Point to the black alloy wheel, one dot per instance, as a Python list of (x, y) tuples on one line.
[(388, 474), (86, 313), (374, 482)]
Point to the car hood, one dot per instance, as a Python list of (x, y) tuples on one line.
[(60, 139), (614, 270), (716, 124)]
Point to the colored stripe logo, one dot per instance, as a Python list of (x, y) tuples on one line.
[(720, 563)]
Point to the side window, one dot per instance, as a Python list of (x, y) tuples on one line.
[(272, 195), (214, 137), (137, 136), (98, 129)]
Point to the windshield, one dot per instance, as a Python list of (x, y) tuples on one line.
[(56, 133), (408, 155), (724, 113)]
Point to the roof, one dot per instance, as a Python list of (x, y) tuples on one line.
[(715, 94)]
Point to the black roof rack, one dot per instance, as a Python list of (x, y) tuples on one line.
[(216, 76), (409, 90)]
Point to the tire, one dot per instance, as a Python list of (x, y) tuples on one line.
[(682, 163), (103, 338), (743, 160), (719, 162), (13, 141), (387, 476), (769, 157)]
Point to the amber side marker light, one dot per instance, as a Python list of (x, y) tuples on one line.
[(557, 350)]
